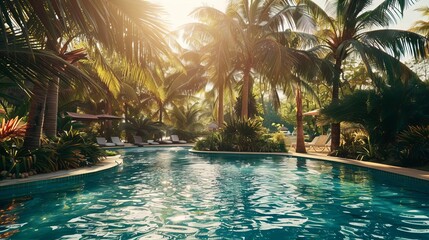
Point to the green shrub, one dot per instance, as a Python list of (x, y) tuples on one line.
[(111, 153), (413, 144), (45, 159), (242, 136)]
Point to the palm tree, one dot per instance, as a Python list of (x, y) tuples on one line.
[(174, 88), (187, 118), (213, 38), (251, 39), (244, 39), (422, 26), (260, 26), (133, 32), (355, 29)]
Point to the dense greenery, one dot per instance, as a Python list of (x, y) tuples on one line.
[(384, 114), (71, 149), (242, 136)]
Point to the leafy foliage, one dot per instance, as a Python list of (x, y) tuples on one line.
[(384, 113), (71, 149), (187, 122), (242, 136), (144, 127), (11, 129), (414, 145)]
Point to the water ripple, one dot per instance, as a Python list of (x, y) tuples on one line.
[(169, 194)]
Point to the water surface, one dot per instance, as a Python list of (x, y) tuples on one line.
[(169, 193)]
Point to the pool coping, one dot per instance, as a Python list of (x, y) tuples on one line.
[(107, 163), (408, 172)]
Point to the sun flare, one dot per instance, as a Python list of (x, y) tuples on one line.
[(178, 11)]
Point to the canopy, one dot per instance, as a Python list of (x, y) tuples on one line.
[(82, 116), (91, 117), (312, 113), (108, 117)]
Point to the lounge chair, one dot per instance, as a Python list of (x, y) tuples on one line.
[(165, 141), (328, 144), (138, 141), (117, 141), (175, 139), (307, 144), (152, 142), (103, 142), (319, 144)]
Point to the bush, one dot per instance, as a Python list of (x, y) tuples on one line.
[(413, 146), (242, 136)]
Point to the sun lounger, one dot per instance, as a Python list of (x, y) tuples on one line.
[(152, 142), (165, 141), (103, 142), (117, 141), (175, 139), (319, 144), (139, 141), (307, 144)]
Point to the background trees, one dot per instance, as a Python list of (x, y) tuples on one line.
[(355, 30), (133, 33)]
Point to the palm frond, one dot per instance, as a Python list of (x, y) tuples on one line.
[(398, 42), (387, 12)]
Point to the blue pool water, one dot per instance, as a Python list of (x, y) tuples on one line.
[(169, 193)]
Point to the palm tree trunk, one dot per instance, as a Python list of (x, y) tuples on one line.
[(108, 123), (245, 93), (300, 145), (161, 110), (36, 114), (220, 118), (335, 127), (51, 111)]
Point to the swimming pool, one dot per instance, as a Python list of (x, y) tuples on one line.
[(169, 193)]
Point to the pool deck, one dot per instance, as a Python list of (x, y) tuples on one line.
[(111, 162), (410, 172)]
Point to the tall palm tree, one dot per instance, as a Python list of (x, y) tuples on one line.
[(355, 28), (128, 28), (258, 24), (422, 26), (250, 39), (243, 39), (173, 88), (214, 39)]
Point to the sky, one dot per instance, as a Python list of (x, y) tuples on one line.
[(178, 10)]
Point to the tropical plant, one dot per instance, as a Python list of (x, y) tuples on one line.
[(384, 114), (187, 122), (242, 133), (356, 29), (212, 142), (422, 26), (144, 127), (12, 128), (414, 145)]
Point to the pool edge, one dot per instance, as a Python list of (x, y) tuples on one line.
[(108, 163), (408, 172)]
